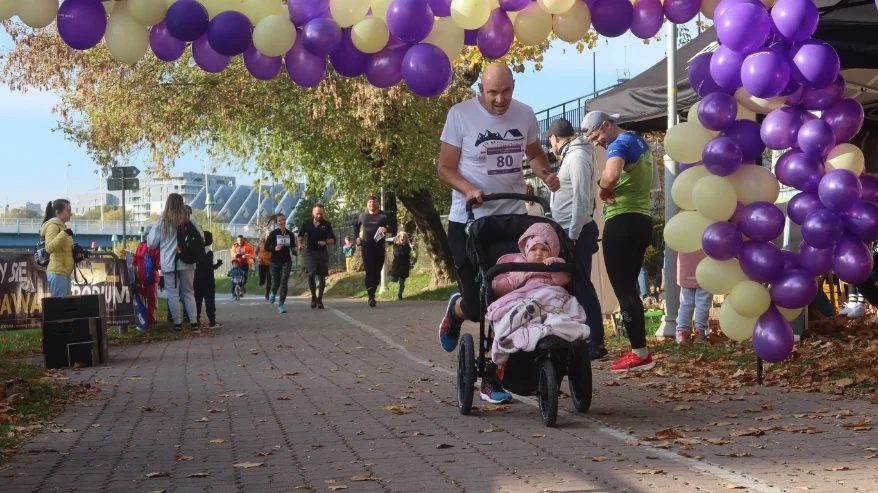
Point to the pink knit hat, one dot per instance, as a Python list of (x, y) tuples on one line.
[(540, 233)]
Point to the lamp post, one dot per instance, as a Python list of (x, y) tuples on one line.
[(67, 183), (208, 199)]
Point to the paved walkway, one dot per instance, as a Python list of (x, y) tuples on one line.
[(299, 402)]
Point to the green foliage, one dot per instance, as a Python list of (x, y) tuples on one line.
[(22, 213)]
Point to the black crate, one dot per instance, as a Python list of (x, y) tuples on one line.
[(59, 337), (71, 307)]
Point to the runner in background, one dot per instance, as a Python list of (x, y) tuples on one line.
[(264, 256), (280, 243), (371, 230), (320, 236)]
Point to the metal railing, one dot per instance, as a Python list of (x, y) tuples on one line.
[(572, 111)]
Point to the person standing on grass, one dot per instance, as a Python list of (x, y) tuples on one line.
[(484, 143), (59, 246), (371, 229), (349, 249), (401, 266), (693, 299), (320, 235), (280, 243), (264, 255), (205, 283)]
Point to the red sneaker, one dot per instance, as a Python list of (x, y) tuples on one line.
[(632, 362)]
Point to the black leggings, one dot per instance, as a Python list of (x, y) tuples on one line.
[(373, 261), (625, 240)]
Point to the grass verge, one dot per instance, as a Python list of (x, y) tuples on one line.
[(352, 285)]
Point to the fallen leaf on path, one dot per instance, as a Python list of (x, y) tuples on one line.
[(858, 424), (491, 430), (689, 456), (217, 440), (735, 454), (444, 445), (496, 407), (337, 487), (233, 395), (283, 398), (837, 468), (611, 383), (400, 409), (843, 412), (365, 477), (753, 410), (870, 456), (199, 475), (670, 433), (290, 373), (733, 486), (844, 383), (96, 425), (182, 457), (633, 443), (263, 454), (598, 458), (649, 471), (304, 487), (159, 491), (203, 420), (320, 413), (248, 465), (771, 417), (749, 432), (722, 423), (214, 411), (682, 408), (158, 474), (538, 435)]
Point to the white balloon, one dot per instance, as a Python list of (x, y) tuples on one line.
[(759, 105), (7, 9), (147, 12), (37, 13), (684, 185), (127, 40), (754, 184), (274, 35), (734, 325)]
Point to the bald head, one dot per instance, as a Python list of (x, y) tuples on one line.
[(496, 88)]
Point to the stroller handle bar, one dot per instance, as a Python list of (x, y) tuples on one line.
[(507, 196), (526, 267)]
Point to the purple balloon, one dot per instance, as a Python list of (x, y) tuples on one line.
[(648, 18), (773, 338), (743, 27), (852, 260), (721, 241), (412, 20), (765, 74), (471, 37), (611, 18), (814, 63), (722, 156), (699, 75), (822, 228), (790, 260), (304, 69), (861, 221), (187, 20), (442, 8), (799, 170), (230, 33), (320, 36), (496, 36), (725, 67), (681, 11), (816, 138), (823, 99), (846, 118), (745, 133), (717, 111), (761, 221), (794, 289), (780, 129), (208, 59), (794, 20), (801, 205), (305, 11), (166, 47), (507, 5), (384, 69), (726, 4), (346, 59), (761, 260), (870, 188), (839, 190), (426, 70), (261, 66), (817, 261), (82, 23)]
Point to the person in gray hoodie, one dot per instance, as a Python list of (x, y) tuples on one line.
[(573, 208)]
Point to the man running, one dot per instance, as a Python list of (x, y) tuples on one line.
[(624, 187), (484, 144), (320, 235), (371, 229)]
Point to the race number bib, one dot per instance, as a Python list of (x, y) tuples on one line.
[(283, 240)]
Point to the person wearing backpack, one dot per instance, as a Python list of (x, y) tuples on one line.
[(181, 241), (58, 239), (146, 265), (205, 283)]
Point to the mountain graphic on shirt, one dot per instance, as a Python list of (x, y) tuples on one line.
[(511, 135)]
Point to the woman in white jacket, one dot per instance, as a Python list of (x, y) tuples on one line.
[(179, 277)]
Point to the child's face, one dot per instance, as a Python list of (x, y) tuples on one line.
[(538, 253)]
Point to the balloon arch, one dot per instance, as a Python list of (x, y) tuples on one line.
[(766, 64)]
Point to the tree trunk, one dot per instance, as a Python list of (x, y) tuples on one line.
[(420, 205)]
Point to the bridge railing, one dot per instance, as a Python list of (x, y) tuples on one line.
[(573, 111), (32, 226)]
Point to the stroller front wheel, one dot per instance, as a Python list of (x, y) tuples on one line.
[(547, 392), (580, 379), (466, 374)]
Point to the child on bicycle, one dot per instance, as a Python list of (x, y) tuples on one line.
[(238, 276)]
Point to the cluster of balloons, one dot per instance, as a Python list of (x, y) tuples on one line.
[(768, 64)]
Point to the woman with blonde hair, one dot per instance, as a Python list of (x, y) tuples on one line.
[(179, 276), (533, 208), (402, 262)]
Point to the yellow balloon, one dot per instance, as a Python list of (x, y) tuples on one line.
[(256, 10), (708, 6), (7, 9), (274, 35), (846, 156), (147, 12), (745, 114), (734, 325), (684, 184), (790, 313), (108, 6), (685, 142), (573, 24), (758, 105), (448, 36), (370, 35), (348, 12), (170, 2), (532, 25), (379, 9), (683, 232), (495, 4), (37, 13), (215, 7), (470, 14), (714, 198), (127, 40), (283, 10), (557, 6), (754, 184), (750, 299), (719, 276)]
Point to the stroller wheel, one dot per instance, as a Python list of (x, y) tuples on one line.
[(579, 378), (466, 374), (547, 392)]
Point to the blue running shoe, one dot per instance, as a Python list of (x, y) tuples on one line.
[(281, 309), (449, 329), (271, 298), (493, 392)]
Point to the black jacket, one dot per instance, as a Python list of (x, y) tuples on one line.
[(402, 260), (285, 254), (204, 270)]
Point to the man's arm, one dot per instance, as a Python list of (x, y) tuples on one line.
[(539, 163), (330, 238), (449, 159), (609, 178)]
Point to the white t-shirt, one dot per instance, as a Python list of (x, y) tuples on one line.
[(492, 149)]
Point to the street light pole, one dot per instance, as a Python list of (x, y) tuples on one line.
[(67, 183), (672, 291), (383, 287)]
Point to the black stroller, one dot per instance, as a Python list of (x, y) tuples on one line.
[(541, 371)]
